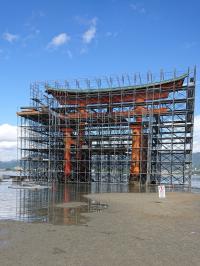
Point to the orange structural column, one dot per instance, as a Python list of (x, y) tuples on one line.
[(68, 141), (136, 151)]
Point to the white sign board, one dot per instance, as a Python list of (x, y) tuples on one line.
[(161, 192)]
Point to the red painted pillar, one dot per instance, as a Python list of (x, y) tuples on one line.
[(135, 155), (68, 141)]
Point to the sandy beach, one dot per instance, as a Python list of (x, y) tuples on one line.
[(136, 229)]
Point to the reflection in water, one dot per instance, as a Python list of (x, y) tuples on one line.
[(52, 205), (42, 205)]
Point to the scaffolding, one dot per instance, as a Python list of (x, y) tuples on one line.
[(117, 129)]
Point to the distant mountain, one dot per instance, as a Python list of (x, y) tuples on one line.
[(8, 164), (14, 163)]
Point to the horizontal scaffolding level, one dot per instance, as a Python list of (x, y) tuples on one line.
[(119, 129)]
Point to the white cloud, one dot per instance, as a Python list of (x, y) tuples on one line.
[(112, 34), (84, 50), (36, 14), (10, 37), (89, 34), (8, 132), (69, 53), (138, 8), (190, 44), (40, 14), (8, 142), (196, 140), (32, 35), (59, 40)]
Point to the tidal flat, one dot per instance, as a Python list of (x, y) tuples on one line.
[(135, 229)]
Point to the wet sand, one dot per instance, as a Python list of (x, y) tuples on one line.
[(136, 229)]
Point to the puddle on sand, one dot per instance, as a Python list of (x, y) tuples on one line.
[(58, 215), (61, 204)]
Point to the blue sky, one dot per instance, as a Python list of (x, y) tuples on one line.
[(129, 36), (42, 40)]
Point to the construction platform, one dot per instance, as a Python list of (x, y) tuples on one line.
[(118, 129)]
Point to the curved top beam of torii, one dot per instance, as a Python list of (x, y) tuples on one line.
[(157, 90)]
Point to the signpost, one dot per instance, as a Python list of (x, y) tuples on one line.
[(161, 191)]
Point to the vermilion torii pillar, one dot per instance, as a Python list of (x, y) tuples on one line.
[(68, 141)]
